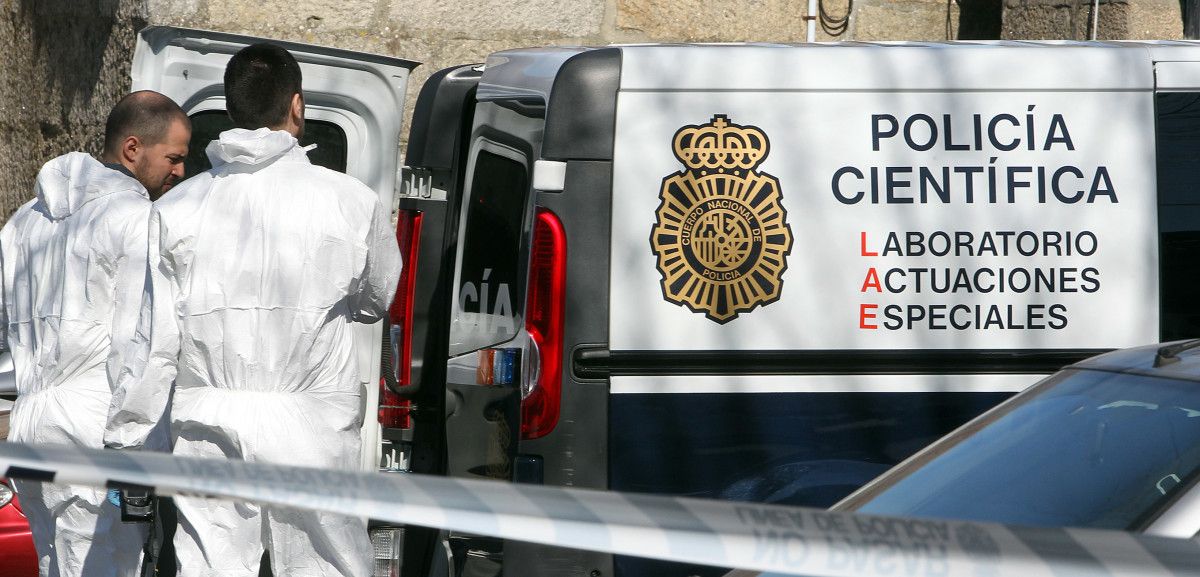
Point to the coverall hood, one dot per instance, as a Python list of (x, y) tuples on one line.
[(73, 265), (68, 182), (253, 147)]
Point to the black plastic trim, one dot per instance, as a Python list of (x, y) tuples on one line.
[(599, 363), (205, 41), (111, 484), (581, 117), (529, 469), (15, 472), (433, 139)]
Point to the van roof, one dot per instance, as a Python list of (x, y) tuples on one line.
[(523, 73), (890, 66), (1001, 65)]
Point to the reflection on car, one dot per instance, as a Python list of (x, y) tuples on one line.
[(1109, 443), (1112, 442)]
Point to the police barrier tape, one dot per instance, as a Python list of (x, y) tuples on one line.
[(785, 540)]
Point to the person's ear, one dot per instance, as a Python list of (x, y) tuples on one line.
[(298, 109), (131, 148)]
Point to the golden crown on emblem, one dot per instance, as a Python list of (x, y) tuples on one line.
[(720, 145)]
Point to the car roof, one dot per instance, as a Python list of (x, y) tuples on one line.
[(1178, 360)]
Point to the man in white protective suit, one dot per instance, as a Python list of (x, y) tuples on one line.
[(74, 264), (258, 268)]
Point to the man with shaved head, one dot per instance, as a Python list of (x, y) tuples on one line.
[(73, 266), (147, 135)]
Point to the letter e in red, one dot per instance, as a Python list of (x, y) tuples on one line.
[(864, 316)]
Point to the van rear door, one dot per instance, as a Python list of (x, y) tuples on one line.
[(415, 349), (492, 356), (354, 105)]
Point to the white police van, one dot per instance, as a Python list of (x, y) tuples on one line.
[(751, 272), (767, 272)]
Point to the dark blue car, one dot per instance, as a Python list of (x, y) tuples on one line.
[(1112, 442)]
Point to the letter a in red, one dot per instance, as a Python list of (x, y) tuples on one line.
[(872, 281)]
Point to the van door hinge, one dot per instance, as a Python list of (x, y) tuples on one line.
[(418, 183)]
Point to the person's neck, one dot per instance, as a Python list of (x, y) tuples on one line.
[(115, 164), (288, 127)]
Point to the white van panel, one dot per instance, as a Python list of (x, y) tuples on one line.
[(1172, 50), (813, 136), (698, 384), (897, 66), (189, 66), (1177, 76)]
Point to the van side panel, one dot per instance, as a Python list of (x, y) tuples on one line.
[(803, 449), (857, 217), (884, 220)]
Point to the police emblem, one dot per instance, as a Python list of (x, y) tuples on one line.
[(722, 237)]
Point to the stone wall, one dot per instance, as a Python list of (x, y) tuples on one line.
[(67, 61), (1117, 19)]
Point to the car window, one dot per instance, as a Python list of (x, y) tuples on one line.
[(208, 125), (1090, 449)]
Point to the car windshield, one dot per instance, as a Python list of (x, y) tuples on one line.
[(1085, 449)]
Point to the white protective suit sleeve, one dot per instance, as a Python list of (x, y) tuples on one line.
[(145, 351), (381, 271)]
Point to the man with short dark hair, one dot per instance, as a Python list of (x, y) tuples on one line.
[(73, 264), (258, 268), (263, 89)]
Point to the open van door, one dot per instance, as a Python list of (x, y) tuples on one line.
[(354, 105), (415, 350)]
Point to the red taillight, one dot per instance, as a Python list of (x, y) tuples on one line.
[(394, 410), (544, 313), (408, 235)]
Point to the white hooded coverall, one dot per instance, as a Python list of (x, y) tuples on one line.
[(258, 268), (74, 264)]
